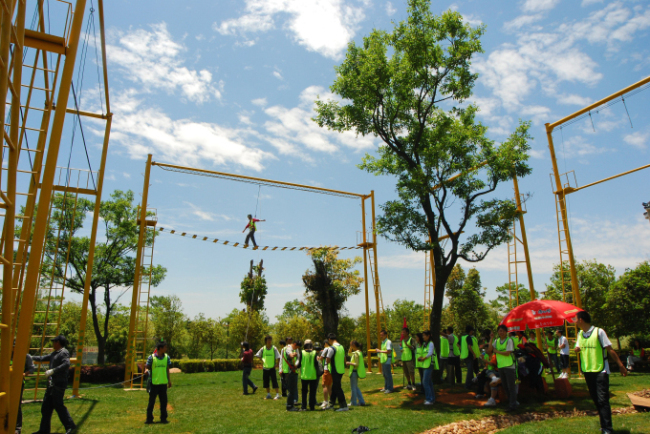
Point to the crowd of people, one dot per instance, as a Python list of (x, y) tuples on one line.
[(492, 362)]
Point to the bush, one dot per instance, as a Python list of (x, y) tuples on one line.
[(105, 374)]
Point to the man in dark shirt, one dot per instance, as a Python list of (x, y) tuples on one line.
[(157, 366), (29, 369), (57, 382), (247, 362)]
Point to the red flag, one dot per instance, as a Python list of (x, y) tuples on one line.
[(403, 327)]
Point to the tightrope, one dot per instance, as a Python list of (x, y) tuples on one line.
[(246, 246)]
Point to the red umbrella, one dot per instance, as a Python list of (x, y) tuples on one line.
[(537, 314)]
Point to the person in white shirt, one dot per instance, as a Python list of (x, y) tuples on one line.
[(563, 346)]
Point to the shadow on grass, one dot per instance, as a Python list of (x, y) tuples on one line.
[(82, 420)]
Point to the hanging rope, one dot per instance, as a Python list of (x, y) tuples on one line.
[(258, 201)]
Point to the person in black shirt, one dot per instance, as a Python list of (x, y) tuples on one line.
[(57, 382)]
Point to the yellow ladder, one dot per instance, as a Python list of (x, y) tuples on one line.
[(376, 286)]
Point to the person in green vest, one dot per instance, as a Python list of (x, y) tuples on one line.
[(337, 368), (357, 370), (469, 352), (270, 361), (158, 366), (290, 367), (385, 357), (444, 353), (637, 354), (308, 375), (453, 361), (252, 228), (408, 366), (429, 361), (551, 348), (595, 351), (504, 348), (419, 352)]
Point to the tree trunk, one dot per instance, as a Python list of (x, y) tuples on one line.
[(330, 321), (101, 342), (436, 313)]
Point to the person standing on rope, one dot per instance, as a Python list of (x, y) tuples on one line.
[(270, 360), (595, 351), (57, 382), (252, 228), (158, 367)]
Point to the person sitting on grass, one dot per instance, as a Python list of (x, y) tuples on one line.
[(270, 360), (488, 382), (158, 366), (247, 363), (357, 371), (637, 353)]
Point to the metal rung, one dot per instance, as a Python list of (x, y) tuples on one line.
[(26, 171), (27, 128), (24, 149), (26, 194), (34, 87), (38, 67)]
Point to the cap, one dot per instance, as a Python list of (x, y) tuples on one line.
[(61, 339)]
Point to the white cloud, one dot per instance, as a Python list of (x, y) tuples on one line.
[(292, 128), (578, 146), (260, 102), (141, 130), (203, 215), (638, 139), (278, 75), (390, 9), (126, 175), (590, 2), (539, 5), (324, 26), (472, 20), (522, 21), (154, 60), (573, 99)]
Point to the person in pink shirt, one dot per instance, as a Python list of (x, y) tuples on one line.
[(251, 232)]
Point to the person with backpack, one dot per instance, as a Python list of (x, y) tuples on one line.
[(270, 360), (337, 366), (158, 367), (357, 371), (429, 360), (309, 375), (504, 348), (595, 352), (469, 352), (326, 354), (408, 366)]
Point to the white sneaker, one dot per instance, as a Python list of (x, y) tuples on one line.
[(388, 391), (343, 409), (490, 403), (277, 396), (428, 403)]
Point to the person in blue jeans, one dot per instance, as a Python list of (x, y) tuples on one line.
[(357, 370), (385, 358), (429, 362), (247, 362)]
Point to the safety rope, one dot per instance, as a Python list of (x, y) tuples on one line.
[(246, 246)]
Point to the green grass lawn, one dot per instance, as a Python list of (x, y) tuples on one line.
[(213, 403)]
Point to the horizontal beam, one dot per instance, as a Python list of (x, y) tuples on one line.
[(589, 108), (88, 114), (251, 178), (570, 190), (44, 41), (76, 190)]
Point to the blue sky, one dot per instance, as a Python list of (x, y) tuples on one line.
[(230, 85)]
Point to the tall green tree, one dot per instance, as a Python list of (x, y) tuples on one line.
[(594, 282), (330, 284), (169, 322), (253, 288), (628, 302), (399, 86), (114, 265), (505, 300), (468, 306)]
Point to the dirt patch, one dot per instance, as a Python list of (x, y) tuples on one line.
[(493, 424), (462, 399)]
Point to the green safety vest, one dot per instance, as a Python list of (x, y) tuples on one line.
[(339, 359), (591, 352), (361, 369), (427, 362), (455, 348), (268, 357), (383, 357), (444, 347), (407, 355), (307, 367), (252, 225), (516, 340), (159, 370), (504, 361), (285, 366), (464, 350), (551, 345), (419, 352), (637, 353)]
